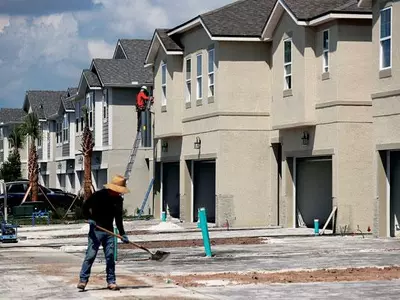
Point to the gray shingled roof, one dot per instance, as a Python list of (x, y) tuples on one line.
[(247, 18), (9, 115), (167, 41), (44, 103), (91, 78), (310, 9), (135, 47), (241, 18), (72, 91), (122, 71)]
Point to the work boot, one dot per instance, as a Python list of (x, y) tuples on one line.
[(81, 285), (113, 287)]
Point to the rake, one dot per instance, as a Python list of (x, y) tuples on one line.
[(158, 255)]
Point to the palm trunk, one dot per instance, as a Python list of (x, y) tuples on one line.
[(87, 186), (34, 172)]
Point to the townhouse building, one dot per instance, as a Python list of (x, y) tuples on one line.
[(108, 90), (264, 115), (9, 119), (385, 96), (45, 104)]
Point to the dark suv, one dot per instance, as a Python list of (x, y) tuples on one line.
[(16, 191)]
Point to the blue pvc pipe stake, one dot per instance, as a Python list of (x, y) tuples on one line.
[(204, 230), (115, 245), (163, 216), (316, 226)]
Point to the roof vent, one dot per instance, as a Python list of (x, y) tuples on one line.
[(41, 106)]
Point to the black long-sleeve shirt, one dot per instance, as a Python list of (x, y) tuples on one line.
[(102, 208)]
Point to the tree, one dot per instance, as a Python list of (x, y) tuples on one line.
[(11, 169), (87, 145), (16, 140), (31, 129)]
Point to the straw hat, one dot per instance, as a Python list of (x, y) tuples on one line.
[(118, 184)]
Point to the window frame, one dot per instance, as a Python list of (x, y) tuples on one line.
[(387, 38), (40, 139), (65, 129), (199, 78), (90, 108), (164, 84), (188, 80), (326, 51), (77, 116), (285, 64), (211, 73), (105, 106), (59, 139)]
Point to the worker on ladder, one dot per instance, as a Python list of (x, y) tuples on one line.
[(141, 104)]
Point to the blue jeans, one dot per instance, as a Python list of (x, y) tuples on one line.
[(97, 238)]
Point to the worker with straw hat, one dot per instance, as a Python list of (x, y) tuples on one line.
[(101, 209)]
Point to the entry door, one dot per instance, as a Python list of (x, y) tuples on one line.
[(314, 190), (171, 195), (204, 189), (101, 179), (395, 193)]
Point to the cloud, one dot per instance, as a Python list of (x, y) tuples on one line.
[(46, 43), (100, 49)]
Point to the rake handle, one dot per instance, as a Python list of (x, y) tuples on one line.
[(121, 238)]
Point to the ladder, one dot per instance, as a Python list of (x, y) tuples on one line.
[(132, 156), (136, 145), (145, 198)]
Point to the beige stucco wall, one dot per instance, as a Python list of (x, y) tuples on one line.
[(386, 113), (168, 118)]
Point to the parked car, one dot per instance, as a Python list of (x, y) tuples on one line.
[(16, 191)]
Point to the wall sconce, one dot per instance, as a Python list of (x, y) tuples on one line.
[(164, 147), (197, 143), (59, 166), (305, 138)]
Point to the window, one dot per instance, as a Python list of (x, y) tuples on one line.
[(39, 142), (90, 108), (65, 128), (82, 115), (386, 38), (288, 63), (164, 84), (77, 116), (211, 75), (58, 132), (105, 105), (325, 50), (199, 77), (1, 133), (188, 80)]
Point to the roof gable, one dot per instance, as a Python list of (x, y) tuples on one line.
[(162, 40), (313, 13), (43, 103), (122, 72)]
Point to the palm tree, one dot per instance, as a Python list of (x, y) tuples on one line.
[(87, 145), (31, 129), (16, 140)]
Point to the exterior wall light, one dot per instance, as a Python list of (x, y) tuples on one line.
[(164, 147), (197, 143), (305, 138)]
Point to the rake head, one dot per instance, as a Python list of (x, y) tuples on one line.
[(159, 255)]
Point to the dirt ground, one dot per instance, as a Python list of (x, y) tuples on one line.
[(331, 275), (197, 243)]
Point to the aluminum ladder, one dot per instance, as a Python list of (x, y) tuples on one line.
[(145, 198), (136, 145)]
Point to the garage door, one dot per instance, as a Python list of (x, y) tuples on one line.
[(204, 188), (101, 178), (314, 189), (171, 188), (395, 193)]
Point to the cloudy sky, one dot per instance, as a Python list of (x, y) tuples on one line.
[(45, 44)]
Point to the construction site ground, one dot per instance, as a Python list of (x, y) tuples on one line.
[(258, 263)]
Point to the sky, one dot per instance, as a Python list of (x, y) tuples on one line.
[(45, 44)]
